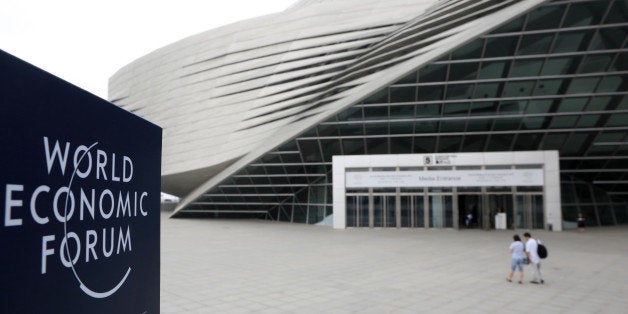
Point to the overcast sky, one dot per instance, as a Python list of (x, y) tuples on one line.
[(86, 42)]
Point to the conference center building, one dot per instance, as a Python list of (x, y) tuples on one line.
[(397, 114)]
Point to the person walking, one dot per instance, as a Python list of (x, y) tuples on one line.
[(468, 219), (516, 249), (531, 252)]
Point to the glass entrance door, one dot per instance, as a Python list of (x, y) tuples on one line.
[(529, 212), (441, 211), (384, 210), (357, 210), (412, 211)]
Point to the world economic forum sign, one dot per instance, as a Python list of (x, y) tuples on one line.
[(79, 190)]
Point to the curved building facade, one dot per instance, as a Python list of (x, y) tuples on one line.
[(254, 112)]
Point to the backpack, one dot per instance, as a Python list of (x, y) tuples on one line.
[(541, 250)]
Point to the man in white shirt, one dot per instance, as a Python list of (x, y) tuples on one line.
[(533, 256)]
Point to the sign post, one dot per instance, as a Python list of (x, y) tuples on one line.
[(79, 190)]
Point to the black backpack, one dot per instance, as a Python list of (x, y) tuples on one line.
[(541, 250)]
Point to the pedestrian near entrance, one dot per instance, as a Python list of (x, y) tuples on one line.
[(531, 252), (516, 249), (581, 222), (468, 219)]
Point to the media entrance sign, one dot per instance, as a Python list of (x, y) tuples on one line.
[(80, 190), (445, 178)]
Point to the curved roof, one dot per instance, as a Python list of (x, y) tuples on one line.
[(219, 94)]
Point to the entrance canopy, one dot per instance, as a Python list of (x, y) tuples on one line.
[(432, 190)]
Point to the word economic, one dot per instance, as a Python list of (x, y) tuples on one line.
[(95, 204)]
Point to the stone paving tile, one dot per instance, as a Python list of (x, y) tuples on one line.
[(249, 266)]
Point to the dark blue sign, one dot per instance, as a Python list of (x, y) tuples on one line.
[(79, 190)]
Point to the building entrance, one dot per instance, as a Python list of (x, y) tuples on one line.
[(460, 191), (470, 211)]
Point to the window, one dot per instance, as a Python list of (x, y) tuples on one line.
[(609, 38), (426, 127), (424, 144), (572, 104), (500, 47), (402, 112), (473, 143), (557, 66), (452, 126), (526, 68), (596, 63), (512, 106), (539, 106), (402, 94), (545, 17), (611, 83), (460, 91), (554, 141), (433, 73), (586, 13), (486, 90), (506, 124), (402, 127), (572, 41), (583, 85), (518, 89), (377, 146), (535, 44), (598, 103), (447, 144), (456, 109), (428, 110), (463, 71), (533, 123), (427, 93), (376, 113), (547, 87), (588, 121), (562, 122), (618, 13), (376, 128), (479, 125), (491, 70), (483, 108)]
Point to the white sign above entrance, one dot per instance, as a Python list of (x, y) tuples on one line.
[(445, 178)]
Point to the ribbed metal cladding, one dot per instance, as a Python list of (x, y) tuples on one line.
[(248, 75)]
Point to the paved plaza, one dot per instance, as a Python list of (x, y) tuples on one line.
[(244, 266)]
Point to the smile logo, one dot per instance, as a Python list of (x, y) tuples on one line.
[(66, 252)]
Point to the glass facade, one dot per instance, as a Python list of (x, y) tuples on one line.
[(555, 78)]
